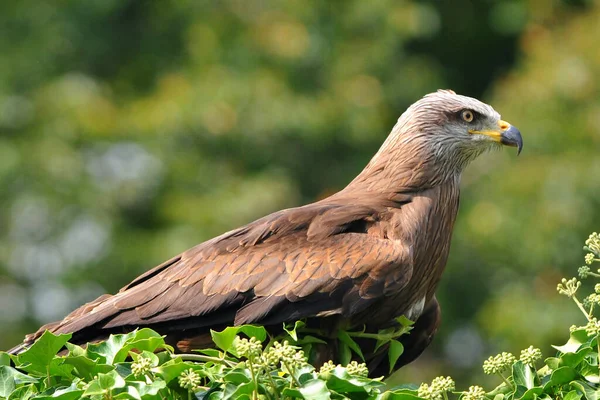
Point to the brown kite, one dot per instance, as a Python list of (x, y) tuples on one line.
[(363, 256)]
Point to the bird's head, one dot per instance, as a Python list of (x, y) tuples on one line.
[(435, 138), (454, 129), (465, 119)]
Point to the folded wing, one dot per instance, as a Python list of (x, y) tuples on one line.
[(321, 259)]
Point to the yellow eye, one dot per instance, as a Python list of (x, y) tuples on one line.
[(467, 115)]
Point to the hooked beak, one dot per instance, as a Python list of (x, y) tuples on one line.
[(506, 134)]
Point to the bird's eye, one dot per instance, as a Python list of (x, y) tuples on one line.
[(467, 115)]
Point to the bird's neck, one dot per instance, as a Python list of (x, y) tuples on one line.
[(404, 167)]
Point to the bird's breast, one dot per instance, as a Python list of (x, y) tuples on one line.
[(426, 225)]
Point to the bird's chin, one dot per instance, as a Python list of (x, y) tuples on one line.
[(475, 149), (485, 144), (495, 146)]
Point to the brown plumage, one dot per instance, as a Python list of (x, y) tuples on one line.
[(369, 253)]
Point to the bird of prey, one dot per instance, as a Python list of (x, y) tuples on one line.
[(362, 257)]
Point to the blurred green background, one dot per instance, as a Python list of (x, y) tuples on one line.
[(132, 130)]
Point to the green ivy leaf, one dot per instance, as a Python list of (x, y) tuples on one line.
[(552, 362), (104, 384), (304, 373), (395, 351), (344, 353), (75, 350), (172, 369), (144, 340), (310, 340), (4, 358), (315, 389), (381, 342), (145, 354), (238, 376), (345, 338), (293, 331), (339, 380), (589, 392), (224, 339), (85, 367), (574, 359), (55, 369), (589, 371), (145, 390), (500, 392), (123, 369), (106, 350), (130, 394), (576, 339), (400, 395), (117, 347), (7, 381), (70, 393), (209, 352), (572, 395), (10, 374), (405, 322), (41, 353), (258, 332), (523, 375), (532, 394), (24, 392), (235, 392), (561, 376)]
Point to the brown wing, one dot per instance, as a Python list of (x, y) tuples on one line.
[(321, 258)]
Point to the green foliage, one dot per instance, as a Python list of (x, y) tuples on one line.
[(573, 373), (249, 364), (140, 365), (133, 130)]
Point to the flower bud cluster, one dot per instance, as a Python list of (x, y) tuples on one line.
[(530, 355), (591, 299), (357, 369), (498, 364), (593, 327), (353, 368), (474, 393), (593, 243), (248, 348), (568, 287), (189, 380), (141, 366), (436, 390), (288, 355), (327, 367), (281, 352), (589, 258)]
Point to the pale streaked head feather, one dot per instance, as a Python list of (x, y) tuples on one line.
[(431, 141)]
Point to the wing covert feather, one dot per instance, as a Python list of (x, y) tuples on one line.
[(293, 264)]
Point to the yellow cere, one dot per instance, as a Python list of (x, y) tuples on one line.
[(494, 134)]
